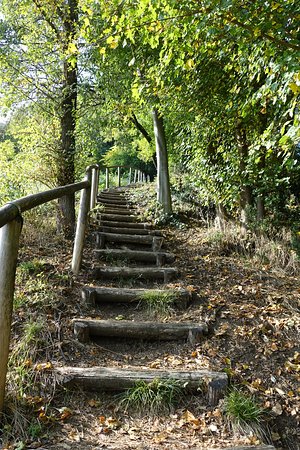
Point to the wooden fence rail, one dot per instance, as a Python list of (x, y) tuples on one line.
[(11, 225), (10, 229)]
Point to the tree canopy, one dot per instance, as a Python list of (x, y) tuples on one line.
[(224, 76)]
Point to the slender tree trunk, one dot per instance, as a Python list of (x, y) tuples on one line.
[(66, 167), (163, 179), (246, 195)]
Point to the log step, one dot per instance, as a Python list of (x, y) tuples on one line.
[(158, 258), (116, 217), (114, 379), (133, 225), (166, 274), (141, 231), (115, 295), (110, 205), (112, 201), (119, 211), (102, 238), (193, 332)]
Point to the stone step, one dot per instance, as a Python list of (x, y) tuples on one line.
[(84, 329), (120, 225), (93, 295), (140, 231), (158, 258), (116, 379), (102, 238), (166, 274)]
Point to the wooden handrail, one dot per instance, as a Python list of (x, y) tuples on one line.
[(12, 209), (10, 230)]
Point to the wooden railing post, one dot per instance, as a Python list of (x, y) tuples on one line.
[(94, 187), (82, 221), (119, 176), (107, 178), (129, 175), (135, 176), (9, 246)]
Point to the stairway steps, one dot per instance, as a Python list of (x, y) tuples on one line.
[(158, 258), (93, 295), (141, 231), (84, 329), (112, 201), (102, 238), (116, 379), (119, 225), (116, 217), (166, 274), (118, 211)]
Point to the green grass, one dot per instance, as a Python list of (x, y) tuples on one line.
[(241, 410), (158, 396), (159, 303)]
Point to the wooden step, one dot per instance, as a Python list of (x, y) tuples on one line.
[(102, 238), (140, 231), (112, 201), (86, 328), (115, 206), (92, 294), (166, 274), (116, 217), (118, 211), (158, 258), (116, 379), (133, 225)]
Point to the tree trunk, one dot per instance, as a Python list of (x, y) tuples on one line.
[(66, 164), (163, 179), (246, 196)]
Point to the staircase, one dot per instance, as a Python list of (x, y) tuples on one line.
[(131, 251)]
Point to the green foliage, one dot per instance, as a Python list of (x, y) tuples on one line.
[(158, 396), (159, 303), (242, 410)]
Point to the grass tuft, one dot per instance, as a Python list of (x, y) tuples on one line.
[(159, 304), (243, 412), (158, 396)]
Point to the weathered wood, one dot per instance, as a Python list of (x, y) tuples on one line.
[(94, 186), (144, 273), (141, 231), (116, 217), (133, 225), (114, 379), (81, 227), (116, 295), (107, 178), (9, 245), (154, 241), (112, 201), (119, 211), (11, 210), (140, 330), (136, 255)]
